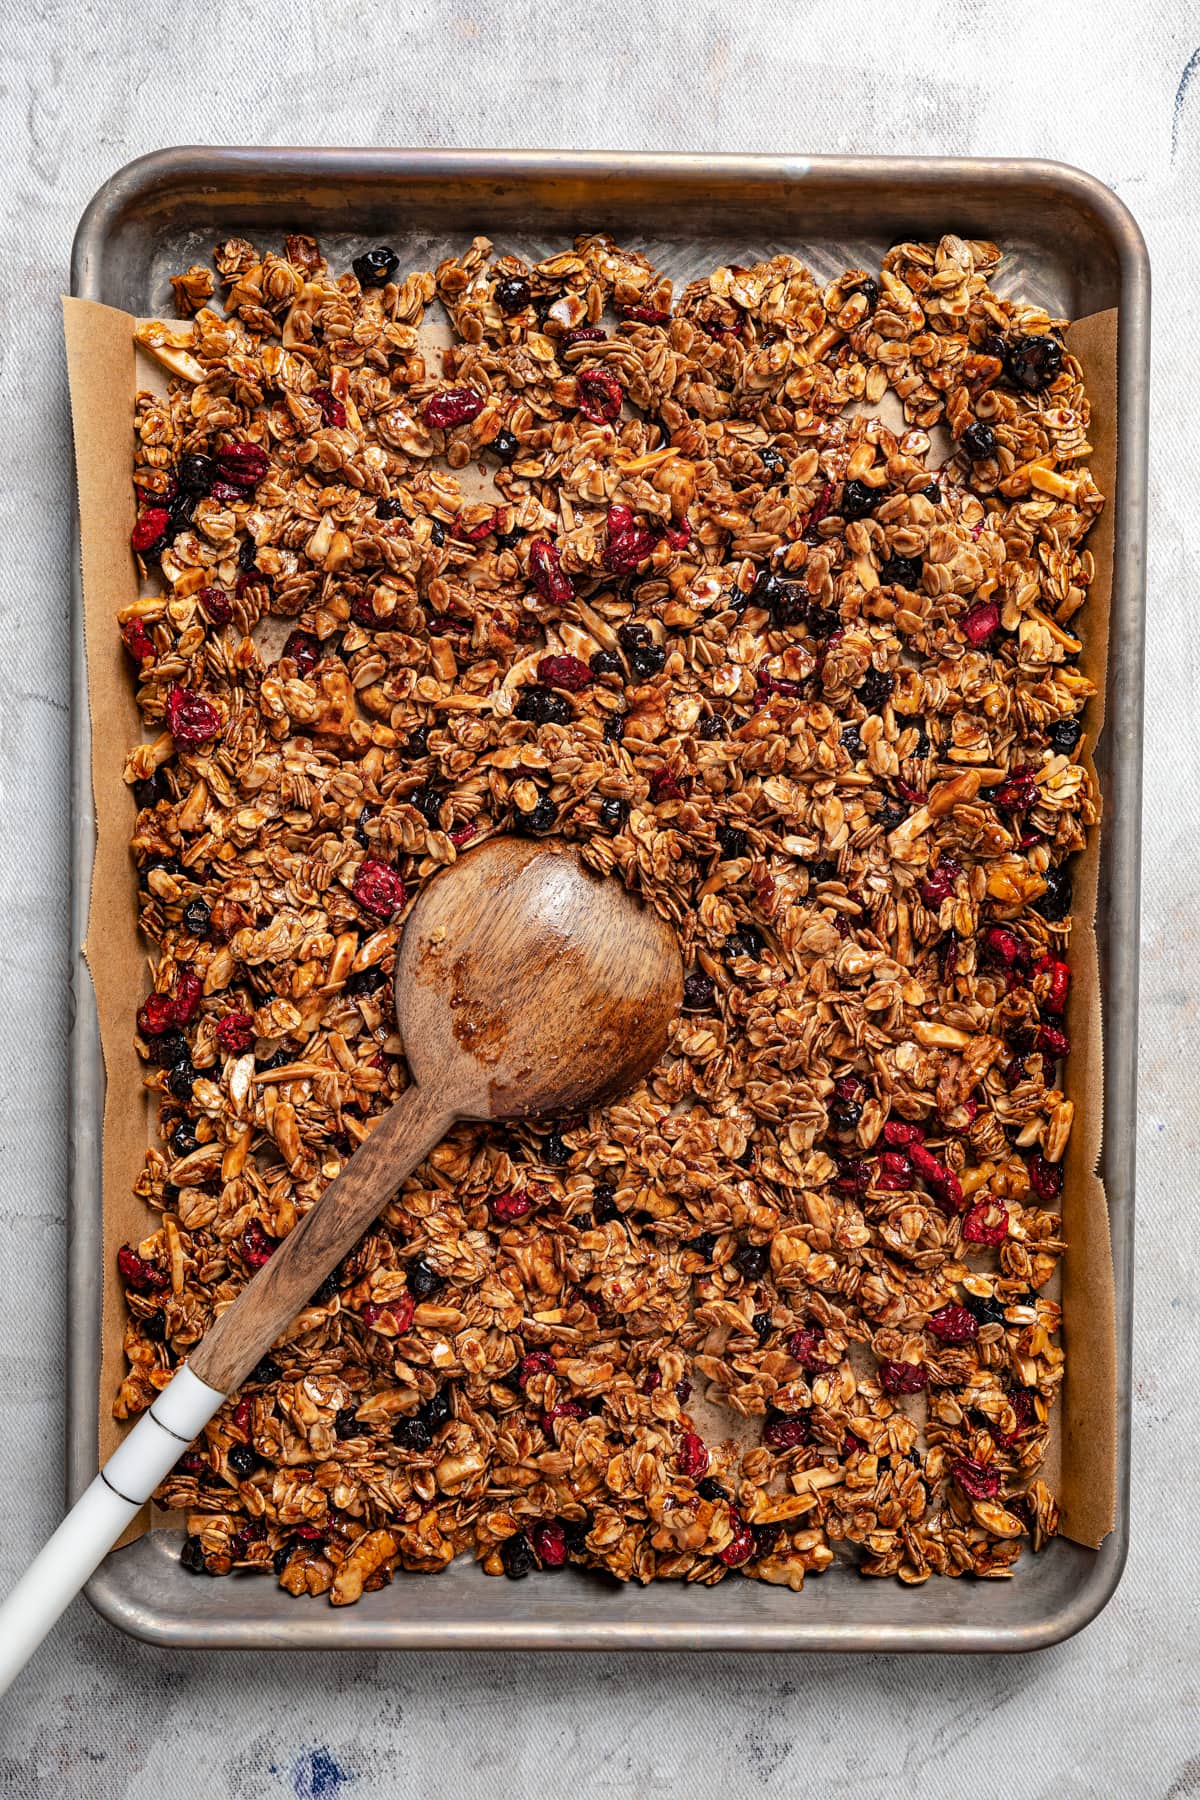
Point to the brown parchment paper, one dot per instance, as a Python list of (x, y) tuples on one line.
[(104, 374)]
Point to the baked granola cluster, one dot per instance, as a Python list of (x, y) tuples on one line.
[(764, 596)]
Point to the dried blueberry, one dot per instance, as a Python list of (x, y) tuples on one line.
[(822, 621), (196, 474), (422, 1280), (513, 294), (412, 1434), (191, 1557), (614, 728), (901, 571), (606, 662), (761, 1326), (243, 1460), (505, 445), (732, 843), (852, 743), (365, 981), (699, 992), (984, 1309), (713, 728), (1032, 362), (1064, 736), (375, 268), (428, 803), (858, 500), (346, 1425), (181, 1080), (516, 1555), (197, 917), (745, 941), (152, 790), (543, 818), (612, 814), (264, 1371), (555, 1150), (1055, 903), (542, 706), (751, 1261), (647, 660), (183, 1139), (702, 1246), (825, 869), (979, 441), (437, 533), (604, 1203), (771, 460), (631, 635), (868, 287), (388, 508), (875, 688)]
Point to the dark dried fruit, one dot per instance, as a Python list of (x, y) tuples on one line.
[(183, 1140), (412, 1434), (422, 1280), (1045, 1178), (647, 661), (868, 287), (713, 728), (709, 1489), (787, 1431), (604, 1203), (858, 499), (875, 689), (538, 706), (979, 441), (606, 662), (902, 571), (555, 1150), (517, 1557), (600, 395), (614, 728), (699, 992), (304, 650), (196, 474), (375, 268), (612, 814), (952, 1324), (567, 672), (191, 1557), (542, 818), (732, 843), (389, 509), (242, 1460), (181, 1079), (505, 446), (1064, 735), (745, 941), (265, 1371), (823, 621), (752, 1261), (379, 889), (456, 406), (513, 294), (984, 1309), (1055, 903), (235, 1033), (1032, 361), (975, 1479), (191, 719), (902, 1377)]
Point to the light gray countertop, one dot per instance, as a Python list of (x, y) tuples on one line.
[(1112, 1714)]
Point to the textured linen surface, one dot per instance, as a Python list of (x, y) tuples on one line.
[(84, 89)]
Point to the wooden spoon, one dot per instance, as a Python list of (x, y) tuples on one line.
[(524, 985)]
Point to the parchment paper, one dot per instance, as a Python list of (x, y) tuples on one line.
[(102, 368)]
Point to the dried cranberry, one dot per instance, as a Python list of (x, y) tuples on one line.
[(665, 785), (566, 1409), (980, 623), (978, 1227), (1032, 361), (627, 544), (155, 1015), (975, 1479), (512, 295), (302, 648), (537, 1362), (332, 411), (895, 1172), (456, 406), (1000, 947), (646, 315), (900, 1132), (1021, 1401), (242, 465), (740, 1547), (216, 605), (242, 1414), (186, 997), (227, 493), (191, 719), (549, 1542), (600, 395), (235, 1033), (140, 1275), (941, 1182), (150, 530), (379, 889), (583, 334), (257, 1247), (564, 672), (1045, 1178), (1019, 792), (508, 1207), (902, 1377), (1058, 980), (804, 1345), (375, 268), (952, 1324), (788, 1431), (545, 570), (137, 640), (692, 1456), (938, 884)]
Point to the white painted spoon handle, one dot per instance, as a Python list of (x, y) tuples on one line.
[(100, 1515)]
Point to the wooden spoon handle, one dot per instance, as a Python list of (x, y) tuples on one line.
[(246, 1330)]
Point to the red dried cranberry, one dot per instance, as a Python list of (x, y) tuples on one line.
[(646, 315), (1021, 1401), (545, 570), (583, 334), (942, 1184), (379, 889), (242, 465), (852, 1444), (462, 834), (155, 1015), (980, 623), (150, 530), (1045, 1178), (241, 1415), (853, 1176), (895, 1172), (302, 648), (899, 1133), (628, 544), (257, 1247), (1019, 792), (566, 1409), (216, 604), (902, 1377), (190, 1463), (787, 1431), (191, 719), (457, 406), (740, 1547), (952, 1324), (537, 1362), (549, 1542), (651, 1381), (226, 493), (566, 672), (1052, 1042), (804, 1346), (235, 1033), (975, 1479), (693, 1456), (1000, 946), (507, 1208), (824, 505), (978, 1227), (600, 395), (332, 410), (140, 1275), (664, 785), (678, 536), (938, 884), (137, 640), (399, 1312), (187, 995), (1058, 981)]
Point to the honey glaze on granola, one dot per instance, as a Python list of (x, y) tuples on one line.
[(800, 678)]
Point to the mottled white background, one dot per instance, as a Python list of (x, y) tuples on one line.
[(84, 87)]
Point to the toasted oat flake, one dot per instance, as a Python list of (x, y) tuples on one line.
[(708, 585)]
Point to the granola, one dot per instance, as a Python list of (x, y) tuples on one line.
[(765, 596)]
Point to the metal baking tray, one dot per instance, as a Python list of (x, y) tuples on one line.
[(1075, 249)]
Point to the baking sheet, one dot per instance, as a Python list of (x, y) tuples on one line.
[(104, 373)]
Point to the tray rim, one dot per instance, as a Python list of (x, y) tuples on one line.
[(207, 168)]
